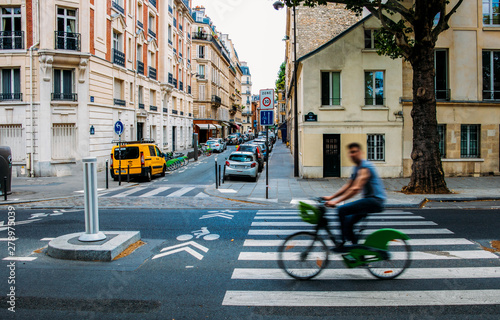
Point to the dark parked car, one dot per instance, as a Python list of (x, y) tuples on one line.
[(255, 149)]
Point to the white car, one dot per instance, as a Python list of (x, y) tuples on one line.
[(215, 146), (241, 164), (221, 141)]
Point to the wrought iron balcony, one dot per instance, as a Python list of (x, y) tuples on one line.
[(153, 2), (119, 102), (491, 95), (181, 86), (11, 40), (11, 96), (152, 73), (201, 36), (174, 112), (140, 67), (216, 100), (118, 7), (141, 105), (67, 40), (118, 58), (152, 33), (443, 95), (64, 96), (170, 78), (140, 25), (153, 108)]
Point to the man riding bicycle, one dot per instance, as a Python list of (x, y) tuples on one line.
[(364, 178)]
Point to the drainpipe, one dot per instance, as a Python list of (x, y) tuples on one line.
[(32, 169)]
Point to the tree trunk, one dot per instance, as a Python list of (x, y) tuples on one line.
[(427, 171)]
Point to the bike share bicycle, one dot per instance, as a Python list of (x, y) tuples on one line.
[(303, 255)]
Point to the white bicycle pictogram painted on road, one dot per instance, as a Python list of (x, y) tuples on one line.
[(203, 232)]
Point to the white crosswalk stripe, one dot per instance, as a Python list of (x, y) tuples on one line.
[(457, 258), (146, 192)]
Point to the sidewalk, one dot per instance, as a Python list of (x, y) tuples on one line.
[(285, 189)]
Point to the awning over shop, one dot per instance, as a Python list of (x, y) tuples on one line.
[(205, 126), (216, 125)]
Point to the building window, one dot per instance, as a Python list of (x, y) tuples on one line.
[(201, 52), (441, 74), (370, 38), (442, 139), (140, 97), (491, 75), (11, 34), (63, 85), (118, 55), (374, 88), (10, 84), (201, 71), (469, 140), (63, 141), (67, 36), (376, 147), (330, 88), (201, 93), (491, 12), (12, 135), (118, 93)]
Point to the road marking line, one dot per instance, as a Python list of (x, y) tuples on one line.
[(361, 298), (361, 274), (153, 192), (19, 258), (296, 217), (180, 192), (8, 239), (202, 195), (274, 232), (397, 255), (386, 224), (413, 242), (18, 223), (295, 212), (128, 192), (47, 239), (227, 191)]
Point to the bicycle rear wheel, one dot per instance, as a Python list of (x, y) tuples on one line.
[(399, 259), (303, 255)]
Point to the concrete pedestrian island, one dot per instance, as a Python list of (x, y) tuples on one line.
[(68, 247)]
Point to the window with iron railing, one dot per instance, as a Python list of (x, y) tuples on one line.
[(442, 139), (376, 147), (491, 74), (11, 34), (118, 6), (470, 140), (10, 85), (63, 85), (66, 35)]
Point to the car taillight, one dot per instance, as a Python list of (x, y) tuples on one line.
[(142, 158), (253, 165), (111, 162), (238, 149), (217, 145), (227, 163)]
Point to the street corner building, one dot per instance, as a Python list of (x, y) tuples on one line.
[(347, 93)]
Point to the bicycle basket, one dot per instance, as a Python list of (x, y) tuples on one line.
[(309, 213)]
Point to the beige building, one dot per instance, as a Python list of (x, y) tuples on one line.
[(346, 93), (246, 97), (217, 84), (97, 62)]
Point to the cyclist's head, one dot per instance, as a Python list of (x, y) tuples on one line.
[(355, 152)]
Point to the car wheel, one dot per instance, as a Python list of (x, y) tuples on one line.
[(226, 178), (163, 172), (254, 179), (148, 175)]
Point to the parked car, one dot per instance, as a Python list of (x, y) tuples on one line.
[(263, 140), (235, 139), (215, 146), (221, 141), (241, 164), (263, 148), (138, 160), (255, 149)]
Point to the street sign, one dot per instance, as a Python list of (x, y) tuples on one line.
[(266, 99), (266, 117), (119, 127)]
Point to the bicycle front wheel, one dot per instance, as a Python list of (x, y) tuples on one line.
[(303, 255), (399, 259)]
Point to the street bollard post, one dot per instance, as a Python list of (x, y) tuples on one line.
[(107, 174), (5, 188), (128, 173), (219, 174), (216, 181), (92, 232)]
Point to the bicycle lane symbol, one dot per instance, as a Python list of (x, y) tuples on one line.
[(202, 233)]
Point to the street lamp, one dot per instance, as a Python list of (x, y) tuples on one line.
[(279, 5)]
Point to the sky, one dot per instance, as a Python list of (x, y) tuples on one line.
[(257, 31)]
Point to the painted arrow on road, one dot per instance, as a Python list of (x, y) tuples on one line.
[(183, 247), (222, 215)]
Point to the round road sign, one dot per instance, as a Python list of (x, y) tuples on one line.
[(119, 127), (266, 102)]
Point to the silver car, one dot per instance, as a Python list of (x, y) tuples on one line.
[(215, 146), (242, 164)]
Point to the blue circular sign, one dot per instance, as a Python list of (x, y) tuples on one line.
[(119, 127)]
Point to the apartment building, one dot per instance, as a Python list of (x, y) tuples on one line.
[(97, 62), (246, 96), (217, 84)]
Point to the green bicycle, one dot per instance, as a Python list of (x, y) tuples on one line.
[(303, 255)]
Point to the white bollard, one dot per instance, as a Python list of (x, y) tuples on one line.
[(91, 208)]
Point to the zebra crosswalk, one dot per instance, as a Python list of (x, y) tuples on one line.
[(168, 192), (445, 269)]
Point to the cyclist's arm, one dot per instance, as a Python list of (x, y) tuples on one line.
[(344, 188), (355, 188)]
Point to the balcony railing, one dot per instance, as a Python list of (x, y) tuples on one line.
[(119, 102), (64, 96), (140, 25), (165, 110), (181, 86), (153, 108), (189, 89), (170, 78), (335, 101), (175, 112), (201, 36), (374, 101), (216, 99), (11, 96), (443, 95), (491, 95), (152, 73), (140, 67), (11, 40), (141, 105), (118, 58), (152, 33), (67, 40), (153, 2), (118, 7)]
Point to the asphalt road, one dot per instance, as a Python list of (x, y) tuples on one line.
[(235, 277)]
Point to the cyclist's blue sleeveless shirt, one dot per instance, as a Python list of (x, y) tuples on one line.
[(374, 187)]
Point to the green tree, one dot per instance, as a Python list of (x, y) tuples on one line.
[(410, 30), (280, 82)]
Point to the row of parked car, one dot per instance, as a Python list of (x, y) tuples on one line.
[(249, 158)]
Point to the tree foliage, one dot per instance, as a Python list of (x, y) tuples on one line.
[(280, 82)]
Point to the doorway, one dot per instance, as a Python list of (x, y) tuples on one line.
[(331, 155), (174, 138)]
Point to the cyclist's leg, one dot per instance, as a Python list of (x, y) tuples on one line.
[(353, 212)]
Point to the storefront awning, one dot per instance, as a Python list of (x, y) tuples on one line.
[(205, 126), (216, 125)]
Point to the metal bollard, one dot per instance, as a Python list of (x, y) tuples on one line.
[(5, 188), (128, 173), (107, 174), (92, 232), (216, 181), (219, 174)]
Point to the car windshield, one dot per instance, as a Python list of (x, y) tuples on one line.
[(127, 153), (246, 148), (240, 158)]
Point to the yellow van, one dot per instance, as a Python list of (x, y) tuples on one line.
[(143, 159)]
